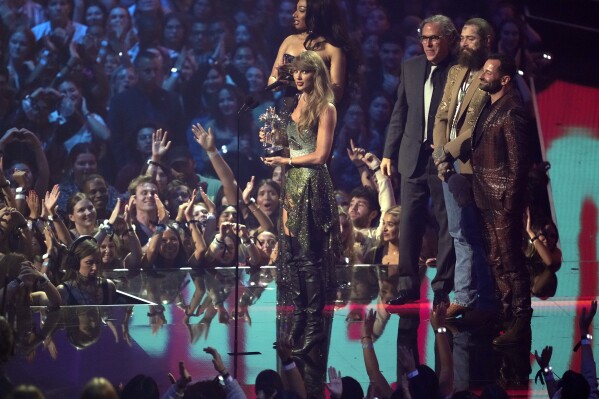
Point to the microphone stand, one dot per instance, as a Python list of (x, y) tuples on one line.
[(248, 104)]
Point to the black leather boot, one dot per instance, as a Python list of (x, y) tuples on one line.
[(313, 286), (299, 308)]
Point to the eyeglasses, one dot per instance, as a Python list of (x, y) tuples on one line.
[(433, 38)]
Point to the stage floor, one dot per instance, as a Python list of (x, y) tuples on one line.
[(119, 342)]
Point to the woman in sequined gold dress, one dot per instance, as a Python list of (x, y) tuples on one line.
[(310, 244)]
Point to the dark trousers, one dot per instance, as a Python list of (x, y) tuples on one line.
[(502, 235), (415, 194)]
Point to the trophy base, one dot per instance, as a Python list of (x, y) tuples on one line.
[(273, 151)]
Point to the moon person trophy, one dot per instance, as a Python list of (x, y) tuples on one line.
[(272, 126)]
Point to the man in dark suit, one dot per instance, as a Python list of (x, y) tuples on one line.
[(410, 139), (500, 168)]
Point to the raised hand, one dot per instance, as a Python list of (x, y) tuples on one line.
[(129, 213), (335, 384), (45, 213), (368, 324), (20, 177), (162, 212), (217, 361), (284, 349), (189, 207), (225, 227), (209, 204), (528, 223), (49, 239), (160, 144), (545, 358), (243, 231), (33, 203), (115, 212), (51, 199), (184, 378), (204, 138), (587, 318), (247, 192), (405, 358), (28, 274), (356, 154)]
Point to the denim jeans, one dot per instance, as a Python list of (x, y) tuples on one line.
[(473, 284)]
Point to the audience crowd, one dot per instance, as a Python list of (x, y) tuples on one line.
[(130, 141)]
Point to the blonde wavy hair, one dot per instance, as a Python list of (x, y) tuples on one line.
[(322, 93)]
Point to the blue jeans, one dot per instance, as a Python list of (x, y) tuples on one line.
[(473, 283)]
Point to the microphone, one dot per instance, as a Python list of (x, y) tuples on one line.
[(275, 85), (248, 104)]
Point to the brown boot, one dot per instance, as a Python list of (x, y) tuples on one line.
[(519, 333)]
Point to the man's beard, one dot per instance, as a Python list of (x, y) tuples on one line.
[(472, 59), (491, 87)]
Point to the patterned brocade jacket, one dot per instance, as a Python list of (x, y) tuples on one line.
[(500, 156)]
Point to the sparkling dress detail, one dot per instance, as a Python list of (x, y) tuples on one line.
[(311, 208)]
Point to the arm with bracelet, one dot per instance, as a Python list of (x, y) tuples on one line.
[(153, 247), (356, 155), (20, 193), (210, 225), (50, 204), (160, 146), (384, 188), (370, 360), (178, 386), (291, 376), (206, 140), (107, 228), (232, 388), (217, 246), (197, 237), (546, 371)]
